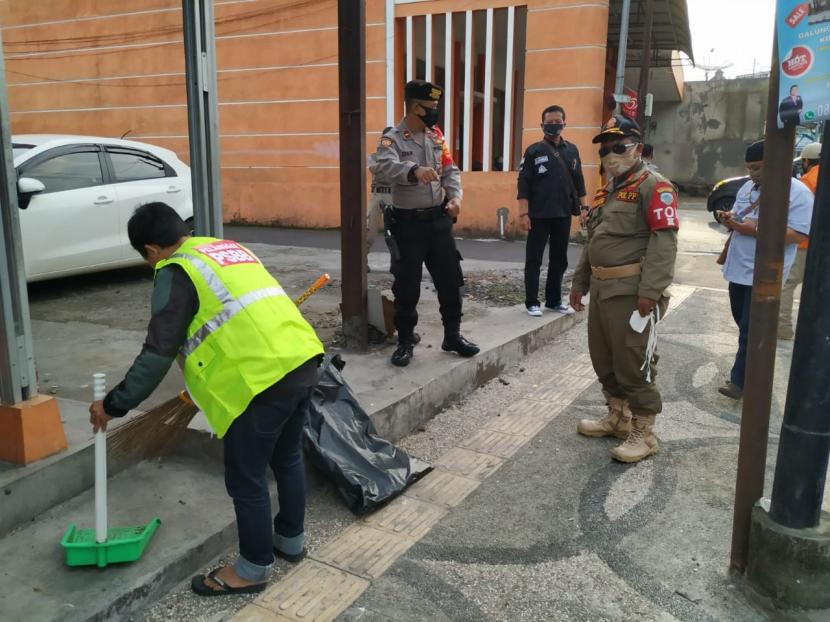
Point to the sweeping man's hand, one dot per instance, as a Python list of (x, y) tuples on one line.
[(98, 416)]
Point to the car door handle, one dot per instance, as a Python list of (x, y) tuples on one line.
[(102, 200), (174, 189)]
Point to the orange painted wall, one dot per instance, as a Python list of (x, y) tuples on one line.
[(107, 67)]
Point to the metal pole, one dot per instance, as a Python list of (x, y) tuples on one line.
[(17, 364), (804, 447), (645, 67), (763, 324), (351, 41), (203, 115), (622, 49)]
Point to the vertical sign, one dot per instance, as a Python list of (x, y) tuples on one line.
[(803, 32)]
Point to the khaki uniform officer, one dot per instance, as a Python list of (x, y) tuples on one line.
[(416, 161), (627, 265)]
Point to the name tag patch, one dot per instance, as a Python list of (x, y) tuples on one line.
[(628, 196), (226, 253), (541, 159)]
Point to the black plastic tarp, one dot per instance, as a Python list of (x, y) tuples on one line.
[(341, 441)]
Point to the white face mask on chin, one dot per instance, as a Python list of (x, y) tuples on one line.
[(618, 165)]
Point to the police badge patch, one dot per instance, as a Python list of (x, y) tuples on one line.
[(385, 141)]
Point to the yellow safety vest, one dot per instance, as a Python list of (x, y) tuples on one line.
[(247, 335)]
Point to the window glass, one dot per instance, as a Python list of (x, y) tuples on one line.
[(135, 165), (68, 171)]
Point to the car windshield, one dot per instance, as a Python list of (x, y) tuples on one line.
[(18, 148)]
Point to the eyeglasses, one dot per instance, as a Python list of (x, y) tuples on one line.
[(619, 149)]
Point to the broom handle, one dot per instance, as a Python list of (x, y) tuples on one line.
[(314, 287), (99, 384)]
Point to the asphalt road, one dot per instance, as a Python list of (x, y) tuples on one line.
[(510, 251)]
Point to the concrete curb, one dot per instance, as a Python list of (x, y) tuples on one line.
[(398, 419)]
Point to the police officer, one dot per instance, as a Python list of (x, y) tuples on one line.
[(379, 197), (626, 266), (415, 160)]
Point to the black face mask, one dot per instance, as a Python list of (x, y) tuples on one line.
[(553, 129), (430, 118)]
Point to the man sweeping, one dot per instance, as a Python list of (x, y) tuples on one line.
[(249, 361)]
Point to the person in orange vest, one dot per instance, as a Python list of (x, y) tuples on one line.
[(810, 164)]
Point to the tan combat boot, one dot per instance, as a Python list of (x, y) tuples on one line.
[(641, 442), (616, 423)]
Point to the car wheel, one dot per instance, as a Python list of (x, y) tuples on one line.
[(724, 204)]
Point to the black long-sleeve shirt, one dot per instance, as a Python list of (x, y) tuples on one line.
[(173, 306), (542, 180)]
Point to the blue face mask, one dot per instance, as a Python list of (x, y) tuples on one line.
[(553, 129)]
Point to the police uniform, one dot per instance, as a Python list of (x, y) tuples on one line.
[(422, 228), (379, 196), (630, 254)]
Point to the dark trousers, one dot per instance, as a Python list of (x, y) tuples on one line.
[(268, 433), (740, 299), (427, 242), (557, 232)]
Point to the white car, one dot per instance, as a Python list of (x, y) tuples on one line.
[(76, 194)]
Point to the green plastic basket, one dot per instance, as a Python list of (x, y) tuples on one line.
[(124, 544)]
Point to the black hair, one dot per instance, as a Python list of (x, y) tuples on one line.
[(648, 150), (553, 108), (155, 223), (794, 86)]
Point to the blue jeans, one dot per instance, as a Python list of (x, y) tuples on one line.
[(268, 433), (740, 299)]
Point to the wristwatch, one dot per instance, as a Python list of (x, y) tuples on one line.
[(410, 176)]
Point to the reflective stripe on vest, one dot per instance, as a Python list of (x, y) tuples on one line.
[(231, 306)]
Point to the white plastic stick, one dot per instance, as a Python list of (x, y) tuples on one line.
[(99, 387)]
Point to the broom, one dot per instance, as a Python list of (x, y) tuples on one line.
[(154, 433)]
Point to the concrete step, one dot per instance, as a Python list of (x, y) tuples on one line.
[(27, 491), (197, 524)]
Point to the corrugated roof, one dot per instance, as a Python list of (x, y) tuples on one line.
[(670, 29)]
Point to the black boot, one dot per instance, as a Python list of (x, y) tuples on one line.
[(403, 354), (455, 342)]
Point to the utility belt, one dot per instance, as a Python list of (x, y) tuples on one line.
[(421, 213), (616, 272)]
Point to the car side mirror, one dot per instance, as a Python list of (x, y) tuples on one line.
[(26, 187)]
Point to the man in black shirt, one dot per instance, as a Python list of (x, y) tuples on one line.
[(550, 181)]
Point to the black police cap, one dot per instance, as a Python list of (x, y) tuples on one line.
[(618, 126), (423, 90)]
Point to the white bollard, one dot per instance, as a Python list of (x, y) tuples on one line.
[(99, 388)]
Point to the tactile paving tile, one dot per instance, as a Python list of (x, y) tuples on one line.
[(546, 411), (313, 592), (442, 488), (255, 613), (561, 391), (364, 550), (580, 368), (495, 443), (407, 517), (521, 425), (468, 463)]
